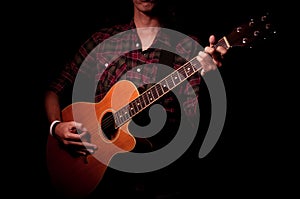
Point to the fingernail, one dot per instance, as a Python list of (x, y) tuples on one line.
[(90, 150)]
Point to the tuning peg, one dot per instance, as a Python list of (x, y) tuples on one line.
[(256, 33), (245, 40), (251, 23), (263, 18), (268, 26)]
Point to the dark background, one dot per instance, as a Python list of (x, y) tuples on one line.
[(247, 159)]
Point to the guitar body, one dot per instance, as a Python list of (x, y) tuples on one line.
[(78, 176)]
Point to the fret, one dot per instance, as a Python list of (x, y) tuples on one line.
[(120, 116), (124, 115), (132, 109), (175, 77), (154, 93), (146, 98), (170, 82), (181, 70), (164, 85), (195, 63), (117, 120), (125, 112), (189, 69), (142, 101), (135, 106), (150, 96), (138, 103), (159, 89)]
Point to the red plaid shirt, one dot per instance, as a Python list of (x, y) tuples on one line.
[(114, 53)]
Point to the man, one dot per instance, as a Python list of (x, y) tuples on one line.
[(145, 32)]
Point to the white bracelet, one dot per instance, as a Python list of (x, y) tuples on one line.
[(51, 126)]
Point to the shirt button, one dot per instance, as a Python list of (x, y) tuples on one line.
[(138, 70), (106, 64), (137, 45)]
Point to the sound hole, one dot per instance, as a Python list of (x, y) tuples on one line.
[(108, 126)]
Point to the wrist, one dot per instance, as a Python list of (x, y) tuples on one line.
[(52, 127)]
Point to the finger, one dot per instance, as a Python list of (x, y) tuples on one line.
[(79, 126), (212, 40), (218, 63), (203, 55), (221, 50), (85, 152), (76, 127), (80, 140), (72, 127), (91, 151), (216, 56), (206, 61), (81, 153), (72, 137), (202, 72), (209, 50), (89, 145)]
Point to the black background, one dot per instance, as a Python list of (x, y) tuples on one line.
[(248, 159)]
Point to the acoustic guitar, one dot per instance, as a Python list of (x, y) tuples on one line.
[(77, 177)]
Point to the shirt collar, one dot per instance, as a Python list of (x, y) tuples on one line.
[(162, 38)]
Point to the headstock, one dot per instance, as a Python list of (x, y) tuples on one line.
[(250, 32)]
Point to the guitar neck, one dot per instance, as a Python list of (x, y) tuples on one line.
[(155, 92)]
